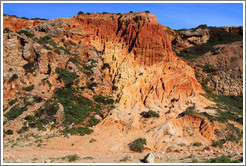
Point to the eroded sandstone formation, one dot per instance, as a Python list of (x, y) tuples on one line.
[(15, 24), (135, 65)]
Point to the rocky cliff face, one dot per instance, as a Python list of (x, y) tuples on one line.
[(71, 63), (219, 48), (14, 23), (185, 38)]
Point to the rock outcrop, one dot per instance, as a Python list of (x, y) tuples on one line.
[(135, 65), (217, 47), (15, 24)]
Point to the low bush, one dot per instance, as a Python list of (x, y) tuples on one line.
[(38, 18), (138, 145), (9, 132), (12, 102), (91, 85), (29, 88), (71, 158), (23, 129), (208, 68), (76, 107), (46, 40), (195, 51), (28, 34), (149, 114), (6, 30), (30, 118), (15, 111), (223, 159), (37, 99), (102, 99), (25, 18), (105, 65), (66, 76), (197, 144), (80, 12), (219, 143), (59, 49), (220, 36)]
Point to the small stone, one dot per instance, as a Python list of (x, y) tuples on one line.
[(150, 158), (162, 152), (47, 161), (131, 157), (97, 117)]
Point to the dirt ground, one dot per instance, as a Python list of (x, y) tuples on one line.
[(27, 149)]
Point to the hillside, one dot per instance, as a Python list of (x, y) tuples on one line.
[(96, 82)]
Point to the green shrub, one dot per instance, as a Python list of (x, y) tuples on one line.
[(210, 117), (29, 88), (93, 121), (223, 159), (9, 132), (91, 85), (197, 144), (48, 109), (23, 129), (28, 34), (105, 65), (138, 145), (102, 99), (58, 50), (208, 68), (6, 30), (76, 107), (190, 109), (80, 12), (147, 11), (37, 99), (149, 114), (87, 158), (219, 143), (12, 102), (202, 26), (25, 18), (234, 134), (220, 36), (195, 51), (71, 158), (38, 18), (66, 76), (99, 98), (15, 111), (30, 118)]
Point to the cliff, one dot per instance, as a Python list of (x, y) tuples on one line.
[(101, 70)]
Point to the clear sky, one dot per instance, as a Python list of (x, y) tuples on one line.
[(174, 15)]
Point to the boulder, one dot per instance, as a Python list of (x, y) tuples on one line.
[(150, 158)]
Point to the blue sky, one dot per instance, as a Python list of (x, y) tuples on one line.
[(174, 15)]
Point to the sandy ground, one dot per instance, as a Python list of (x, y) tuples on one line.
[(57, 150)]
